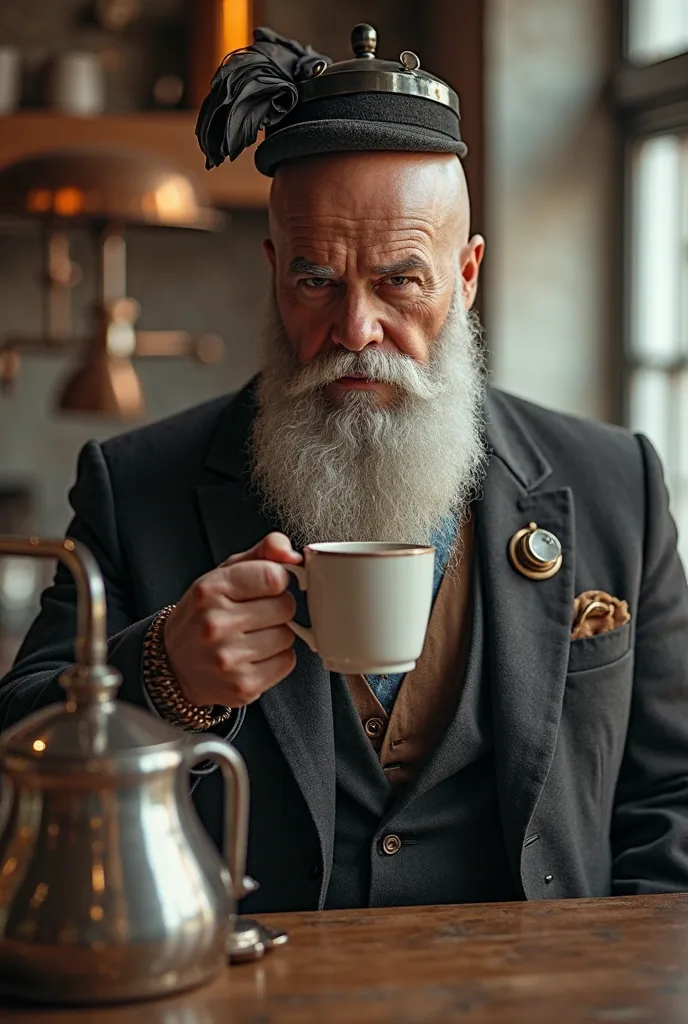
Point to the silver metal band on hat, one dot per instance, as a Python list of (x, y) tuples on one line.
[(371, 80)]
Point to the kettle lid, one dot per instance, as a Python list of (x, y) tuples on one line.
[(87, 734)]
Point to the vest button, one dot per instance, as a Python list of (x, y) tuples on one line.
[(391, 845), (374, 727), (315, 872)]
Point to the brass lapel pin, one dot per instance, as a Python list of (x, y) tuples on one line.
[(535, 553)]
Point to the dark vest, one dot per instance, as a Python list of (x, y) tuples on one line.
[(440, 841)]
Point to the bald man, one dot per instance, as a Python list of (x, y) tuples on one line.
[(540, 747)]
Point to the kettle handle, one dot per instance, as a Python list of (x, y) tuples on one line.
[(236, 782)]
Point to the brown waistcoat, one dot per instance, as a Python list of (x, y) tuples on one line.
[(428, 695)]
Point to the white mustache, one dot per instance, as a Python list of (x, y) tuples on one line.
[(416, 379)]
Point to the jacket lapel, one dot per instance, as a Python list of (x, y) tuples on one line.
[(528, 622), (299, 709)]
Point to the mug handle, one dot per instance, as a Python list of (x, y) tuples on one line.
[(304, 633), (235, 839)]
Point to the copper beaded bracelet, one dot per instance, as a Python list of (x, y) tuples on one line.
[(163, 688)]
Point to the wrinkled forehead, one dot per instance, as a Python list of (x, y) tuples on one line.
[(367, 197)]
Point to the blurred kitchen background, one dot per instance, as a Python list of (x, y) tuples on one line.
[(576, 116)]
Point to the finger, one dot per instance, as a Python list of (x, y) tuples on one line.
[(268, 673), (276, 547), (248, 581), (220, 624), (267, 643), (266, 612), (247, 685)]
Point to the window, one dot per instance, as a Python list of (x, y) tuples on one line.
[(652, 97), (657, 29)]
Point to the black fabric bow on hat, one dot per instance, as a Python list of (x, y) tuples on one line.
[(253, 88)]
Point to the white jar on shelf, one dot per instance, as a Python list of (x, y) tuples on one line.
[(10, 79), (77, 84)]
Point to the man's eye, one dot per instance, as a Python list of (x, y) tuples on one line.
[(398, 281), (315, 282)]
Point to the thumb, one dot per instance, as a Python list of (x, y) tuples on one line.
[(276, 547)]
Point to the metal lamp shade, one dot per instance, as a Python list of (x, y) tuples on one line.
[(105, 385), (95, 184)]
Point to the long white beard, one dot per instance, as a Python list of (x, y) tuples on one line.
[(356, 470)]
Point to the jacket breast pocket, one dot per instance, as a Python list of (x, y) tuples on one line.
[(599, 651)]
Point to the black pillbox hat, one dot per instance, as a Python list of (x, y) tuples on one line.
[(366, 104), (307, 105)]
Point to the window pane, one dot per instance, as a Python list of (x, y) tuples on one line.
[(680, 511), (657, 29), (680, 482), (659, 173), (650, 409), (658, 408), (682, 424)]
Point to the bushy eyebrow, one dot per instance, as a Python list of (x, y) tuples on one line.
[(300, 265), (402, 267)]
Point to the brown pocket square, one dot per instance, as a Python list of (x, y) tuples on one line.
[(595, 612)]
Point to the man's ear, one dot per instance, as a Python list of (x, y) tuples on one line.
[(471, 258), (269, 250)]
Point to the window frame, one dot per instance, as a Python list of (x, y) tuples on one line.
[(648, 100), (651, 98)]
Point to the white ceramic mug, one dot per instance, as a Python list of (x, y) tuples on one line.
[(369, 604)]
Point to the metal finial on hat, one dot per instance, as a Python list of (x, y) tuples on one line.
[(364, 41)]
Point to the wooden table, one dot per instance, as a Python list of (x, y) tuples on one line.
[(618, 961)]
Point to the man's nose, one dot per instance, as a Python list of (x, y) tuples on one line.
[(356, 324)]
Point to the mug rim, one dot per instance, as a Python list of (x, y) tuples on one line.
[(399, 550)]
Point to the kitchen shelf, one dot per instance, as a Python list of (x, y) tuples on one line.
[(169, 135)]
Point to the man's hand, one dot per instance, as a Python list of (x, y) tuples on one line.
[(227, 640)]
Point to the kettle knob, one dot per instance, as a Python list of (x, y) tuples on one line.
[(364, 41)]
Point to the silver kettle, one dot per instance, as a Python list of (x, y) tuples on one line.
[(110, 889)]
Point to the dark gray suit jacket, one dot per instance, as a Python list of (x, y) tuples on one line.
[(591, 737)]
